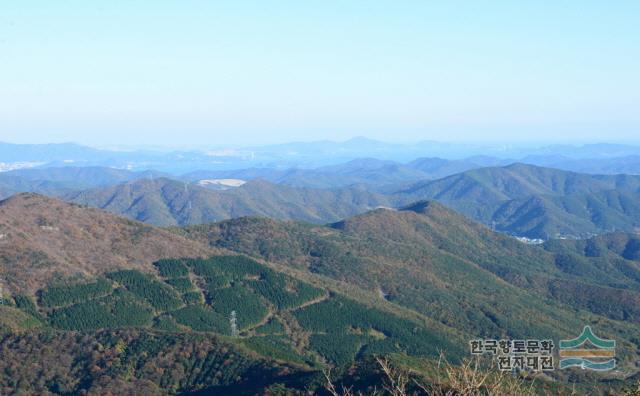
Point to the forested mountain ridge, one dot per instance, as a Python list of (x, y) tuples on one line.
[(42, 238), (168, 202), (403, 283), (520, 180), (60, 278), (182, 338), (445, 266), (537, 202), (517, 199)]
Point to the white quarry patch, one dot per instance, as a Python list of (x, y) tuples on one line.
[(530, 241), (221, 182)]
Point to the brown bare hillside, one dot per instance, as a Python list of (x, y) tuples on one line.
[(42, 238)]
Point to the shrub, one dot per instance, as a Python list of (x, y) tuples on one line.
[(166, 323), (159, 295), (180, 284), (120, 309), (339, 315), (172, 268), (202, 318), (247, 305), (217, 282), (284, 292), (237, 267), (273, 326), (192, 298), (204, 268), (26, 304), (338, 349), (65, 295), (274, 347)]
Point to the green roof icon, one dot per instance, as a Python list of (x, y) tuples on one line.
[(587, 334)]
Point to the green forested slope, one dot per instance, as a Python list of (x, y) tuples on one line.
[(537, 202), (401, 283), (266, 303), (442, 265)]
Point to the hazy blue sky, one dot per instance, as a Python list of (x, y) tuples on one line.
[(214, 72)]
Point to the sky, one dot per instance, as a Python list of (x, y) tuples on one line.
[(187, 73)]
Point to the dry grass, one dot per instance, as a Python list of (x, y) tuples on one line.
[(470, 379), (467, 379), (634, 391)]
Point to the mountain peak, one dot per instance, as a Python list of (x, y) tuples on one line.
[(423, 207), (438, 213), (30, 199)]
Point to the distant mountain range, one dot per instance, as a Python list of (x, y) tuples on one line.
[(538, 202), (519, 199), (369, 171), (516, 198), (382, 173), (375, 173), (592, 158), (57, 181)]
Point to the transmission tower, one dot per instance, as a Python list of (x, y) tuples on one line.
[(233, 321)]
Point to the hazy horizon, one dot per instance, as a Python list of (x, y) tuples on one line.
[(532, 144)]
